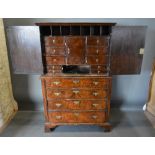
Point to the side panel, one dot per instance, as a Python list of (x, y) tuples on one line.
[(25, 49), (127, 49)]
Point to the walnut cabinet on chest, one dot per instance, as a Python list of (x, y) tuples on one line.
[(76, 62)]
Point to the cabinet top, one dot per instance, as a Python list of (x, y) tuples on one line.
[(75, 24)]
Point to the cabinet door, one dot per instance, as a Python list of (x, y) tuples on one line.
[(127, 49), (25, 49)]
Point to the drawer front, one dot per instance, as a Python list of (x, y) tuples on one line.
[(102, 59), (55, 41), (75, 52), (97, 41), (54, 51), (76, 93), (77, 82), (96, 50), (54, 67), (77, 104), (55, 60), (75, 41), (99, 69), (75, 60), (77, 117)]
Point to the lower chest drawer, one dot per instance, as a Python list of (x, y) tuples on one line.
[(77, 104), (77, 93), (77, 117)]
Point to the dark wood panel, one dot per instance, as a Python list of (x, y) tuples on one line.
[(127, 45), (25, 49)]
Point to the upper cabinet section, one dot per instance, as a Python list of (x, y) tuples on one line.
[(127, 49), (25, 49)]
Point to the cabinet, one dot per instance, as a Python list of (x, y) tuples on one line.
[(77, 61)]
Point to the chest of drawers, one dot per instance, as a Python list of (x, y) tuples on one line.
[(76, 62), (76, 100)]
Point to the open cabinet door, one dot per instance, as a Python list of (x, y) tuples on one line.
[(127, 49), (8, 106), (25, 49)]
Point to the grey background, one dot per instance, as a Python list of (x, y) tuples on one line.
[(128, 91)]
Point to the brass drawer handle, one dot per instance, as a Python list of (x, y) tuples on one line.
[(94, 105), (58, 117), (76, 102), (76, 81), (97, 51), (94, 117), (76, 91), (58, 105), (57, 94), (53, 51), (95, 83), (53, 40), (76, 114), (54, 60), (96, 60), (95, 93), (56, 82)]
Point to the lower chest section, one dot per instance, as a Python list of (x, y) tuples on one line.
[(81, 100)]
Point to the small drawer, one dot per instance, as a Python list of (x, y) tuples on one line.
[(75, 41), (75, 60), (54, 51), (97, 41), (96, 50), (77, 117), (99, 69), (54, 67), (50, 60), (92, 60), (77, 93), (54, 41), (75, 52), (77, 104)]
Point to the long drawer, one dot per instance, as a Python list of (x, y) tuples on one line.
[(77, 82), (77, 117), (77, 104), (76, 93)]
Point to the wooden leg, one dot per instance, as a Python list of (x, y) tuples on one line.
[(107, 127), (49, 128)]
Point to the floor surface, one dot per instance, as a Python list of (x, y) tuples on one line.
[(125, 124)]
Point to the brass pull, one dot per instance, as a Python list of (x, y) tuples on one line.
[(97, 51), (53, 40), (76, 81), (58, 105), (56, 82), (95, 105), (68, 51), (95, 83), (94, 116), (76, 114), (76, 91), (56, 94), (95, 93), (76, 102), (53, 51), (58, 117), (96, 60), (54, 60)]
